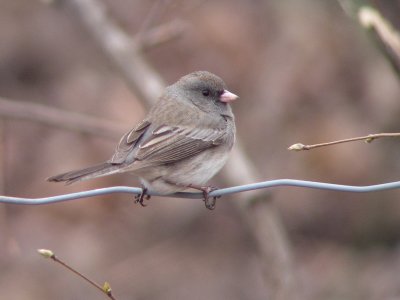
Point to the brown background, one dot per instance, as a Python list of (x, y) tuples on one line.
[(305, 72)]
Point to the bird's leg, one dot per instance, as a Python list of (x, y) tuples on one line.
[(206, 190), (210, 204), (143, 195)]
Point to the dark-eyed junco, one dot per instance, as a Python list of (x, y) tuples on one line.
[(183, 142)]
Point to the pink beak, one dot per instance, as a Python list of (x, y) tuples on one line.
[(227, 96)]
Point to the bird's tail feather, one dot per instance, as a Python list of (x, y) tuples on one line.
[(99, 170)]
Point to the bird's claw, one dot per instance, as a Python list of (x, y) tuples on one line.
[(143, 195), (209, 203)]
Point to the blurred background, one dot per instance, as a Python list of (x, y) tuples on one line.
[(305, 72)]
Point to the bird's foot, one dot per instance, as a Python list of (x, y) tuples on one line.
[(210, 203), (143, 195)]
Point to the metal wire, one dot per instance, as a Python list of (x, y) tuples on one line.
[(216, 193)]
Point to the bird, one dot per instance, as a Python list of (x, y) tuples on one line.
[(184, 140)]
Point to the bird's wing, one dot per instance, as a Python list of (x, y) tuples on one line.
[(165, 144), (168, 144), (129, 142)]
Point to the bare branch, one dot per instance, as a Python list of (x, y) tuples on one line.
[(383, 32), (368, 138), (59, 118), (160, 35), (156, 8), (106, 288), (120, 48), (371, 18)]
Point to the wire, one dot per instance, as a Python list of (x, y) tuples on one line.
[(216, 193)]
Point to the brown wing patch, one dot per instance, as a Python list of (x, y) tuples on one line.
[(176, 143), (128, 142), (137, 132)]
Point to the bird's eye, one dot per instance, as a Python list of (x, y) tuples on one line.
[(205, 93)]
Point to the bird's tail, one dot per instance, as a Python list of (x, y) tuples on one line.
[(99, 170)]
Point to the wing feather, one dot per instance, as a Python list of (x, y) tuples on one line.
[(148, 145), (128, 142), (179, 143)]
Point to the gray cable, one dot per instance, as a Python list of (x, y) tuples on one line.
[(216, 193)]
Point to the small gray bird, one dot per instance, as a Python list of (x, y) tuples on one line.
[(183, 142)]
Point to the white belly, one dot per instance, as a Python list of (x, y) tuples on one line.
[(197, 171)]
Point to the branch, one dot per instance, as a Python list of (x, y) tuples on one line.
[(106, 288), (368, 139), (145, 34), (81, 123), (160, 35), (118, 46), (382, 31)]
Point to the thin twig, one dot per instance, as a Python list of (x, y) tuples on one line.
[(154, 12), (160, 35), (105, 289), (368, 139)]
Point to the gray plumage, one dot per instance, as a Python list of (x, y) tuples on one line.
[(185, 138)]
